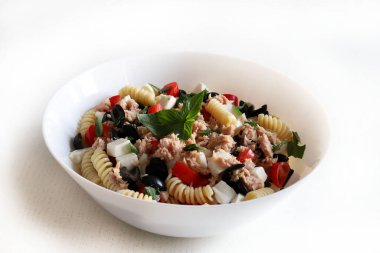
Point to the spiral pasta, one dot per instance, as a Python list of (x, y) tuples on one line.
[(103, 166), (88, 170), (189, 195), (136, 195), (258, 193), (142, 96), (274, 124), (87, 120), (220, 113)]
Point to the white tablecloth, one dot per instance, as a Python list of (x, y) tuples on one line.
[(330, 47)]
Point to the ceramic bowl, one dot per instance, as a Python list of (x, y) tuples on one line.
[(249, 81)]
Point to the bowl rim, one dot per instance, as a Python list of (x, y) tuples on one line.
[(73, 173)]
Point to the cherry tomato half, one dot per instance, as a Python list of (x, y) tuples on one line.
[(90, 135), (278, 173), (155, 108), (245, 154), (173, 89), (114, 100), (184, 172), (232, 98)]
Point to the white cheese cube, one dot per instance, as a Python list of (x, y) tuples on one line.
[(166, 101), (118, 147), (76, 156), (202, 160), (214, 162), (200, 87), (129, 160), (223, 192), (260, 173), (238, 198)]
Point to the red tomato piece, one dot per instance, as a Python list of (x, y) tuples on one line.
[(155, 108), (201, 181), (90, 136), (106, 130), (278, 173), (173, 89), (185, 173), (154, 144), (114, 100), (232, 98), (245, 154)]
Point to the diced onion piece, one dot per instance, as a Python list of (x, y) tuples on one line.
[(223, 192), (118, 147)]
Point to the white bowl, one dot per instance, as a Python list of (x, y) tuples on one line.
[(247, 80)]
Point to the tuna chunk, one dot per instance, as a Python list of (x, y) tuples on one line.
[(169, 148), (225, 142), (197, 161)]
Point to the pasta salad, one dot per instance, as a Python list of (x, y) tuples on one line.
[(172, 146)]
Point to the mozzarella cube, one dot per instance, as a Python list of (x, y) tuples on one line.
[(128, 160), (214, 162), (260, 173), (118, 147), (166, 101), (200, 87), (238, 198), (76, 156), (224, 193), (202, 160)]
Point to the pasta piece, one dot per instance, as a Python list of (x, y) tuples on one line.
[(189, 195), (87, 168), (136, 195), (142, 96), (258, 193), (274, 124), (87, 120), (103, 166), (220, 113)]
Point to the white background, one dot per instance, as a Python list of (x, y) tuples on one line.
[(330, 47)]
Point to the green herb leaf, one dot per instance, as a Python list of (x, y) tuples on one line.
[(132, 149), (191, 147), (206, 132), (151, 191), (158, 90), (294, 149), (237, 111), (145, 110), (98, 127), (278, 146), (251, 123), (172, 121)]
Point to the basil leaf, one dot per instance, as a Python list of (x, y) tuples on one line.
[(153, 192), (206, 132), (191, 147), (163, 122), (294, 149), (192, 106), (237, 110), (158, 90), (145, 110), (98, 127), (252, 123), (187, 130)]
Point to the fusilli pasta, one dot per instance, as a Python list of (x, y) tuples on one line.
[(87, 120), (274, 124), (103, 166), (88, 170), (136, 195), (220, 113), (189, 195), (142, 96), (258, 193)]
